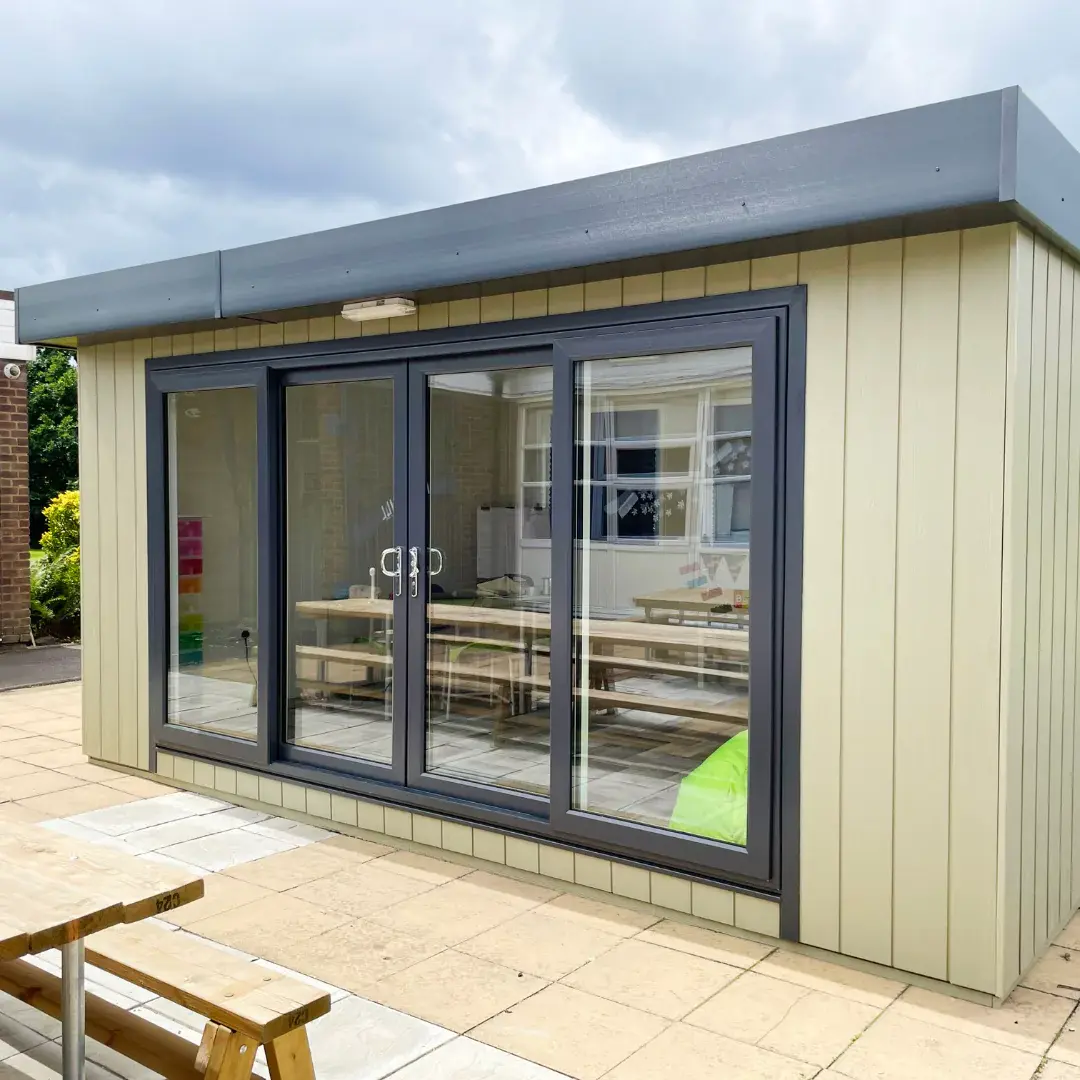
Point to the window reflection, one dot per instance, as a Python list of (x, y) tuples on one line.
[(213, 549), (489, 596), (339, 448), (662, 565)]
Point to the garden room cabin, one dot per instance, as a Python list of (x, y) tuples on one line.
[(705, 533)]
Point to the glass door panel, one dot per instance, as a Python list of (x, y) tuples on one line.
[(213, 563), (488, 589), (662, 591), (343, 567)]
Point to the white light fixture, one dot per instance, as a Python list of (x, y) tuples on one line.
[(390, 307)]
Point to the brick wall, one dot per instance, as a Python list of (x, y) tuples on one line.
[(14, 512)]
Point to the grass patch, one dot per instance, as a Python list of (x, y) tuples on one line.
[(36, 555)]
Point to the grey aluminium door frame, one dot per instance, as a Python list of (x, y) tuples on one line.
[(283, 750), (420, 370), (646, 329), (762, 335), (161, 382)]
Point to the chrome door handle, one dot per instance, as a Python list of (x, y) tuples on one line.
[(414, 571), (396, 572), (432, 571)]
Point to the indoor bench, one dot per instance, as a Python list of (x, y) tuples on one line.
[(245, 1005)]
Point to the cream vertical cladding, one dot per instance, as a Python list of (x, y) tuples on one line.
[(774, 271), (1075, 586), (1028, 939), (924, 607), (1013, 953), (565, 299), (126, 512), (733, 277), (866, 782), (979, 521), (141, 349), (1058, 718), (1046, 606), (825, 275), (90, 545), (1048, 643), (108, 529), (1067, 475)]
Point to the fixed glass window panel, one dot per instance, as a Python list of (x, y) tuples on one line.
[(213, 562), (339, 450)]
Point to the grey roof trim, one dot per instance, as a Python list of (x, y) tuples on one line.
[(897, 172), (1047, 193), (178, 290)]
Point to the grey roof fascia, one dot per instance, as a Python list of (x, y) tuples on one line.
[(1047, 185), (987, 157), (911, 162), (173, 291)]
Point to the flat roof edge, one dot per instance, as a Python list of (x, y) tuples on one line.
[(913, 165), (176, 290)]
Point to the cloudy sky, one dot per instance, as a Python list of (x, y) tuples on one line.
[(133, 130)]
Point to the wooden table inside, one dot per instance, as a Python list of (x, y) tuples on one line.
[(599, 636), (693, 601), (56, 891), (534, 623)]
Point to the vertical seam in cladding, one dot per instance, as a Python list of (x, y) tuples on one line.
[(895, 587), (1068, 577), (1075, 352), (1028, 750), (1051, 452), (1000, 930), (843, 588), (1030, 315), (1053, 897), (952, 605), (1071, 579)]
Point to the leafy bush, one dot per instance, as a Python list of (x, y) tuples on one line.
[(52, 407), (54, 579)]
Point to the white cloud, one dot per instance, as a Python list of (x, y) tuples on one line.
[(135, 130)]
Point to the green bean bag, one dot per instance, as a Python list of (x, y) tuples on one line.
[(712, 798)]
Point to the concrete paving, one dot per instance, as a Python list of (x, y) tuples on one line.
[(439, 970)]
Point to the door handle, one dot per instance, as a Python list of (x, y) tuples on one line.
[(396, 572), (432, 570), (414, 571)]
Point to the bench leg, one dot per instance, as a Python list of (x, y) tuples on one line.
[(289, 1056), (225, 1054)]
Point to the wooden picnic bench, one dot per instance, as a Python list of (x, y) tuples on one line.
[(603, 696), (89, 901)]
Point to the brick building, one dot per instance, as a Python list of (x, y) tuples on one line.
[(14, 481)]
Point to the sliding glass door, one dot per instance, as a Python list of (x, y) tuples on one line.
[(480, 530), (537, 585), (345, 568), (662, 590)]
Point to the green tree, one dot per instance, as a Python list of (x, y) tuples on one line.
[(53, 423)]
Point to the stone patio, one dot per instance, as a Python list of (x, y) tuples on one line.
[(439, 969)]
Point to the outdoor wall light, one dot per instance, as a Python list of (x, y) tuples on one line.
[(390, 307)]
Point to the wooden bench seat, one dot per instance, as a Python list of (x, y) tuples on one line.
[(246, 1005), (606, 697)]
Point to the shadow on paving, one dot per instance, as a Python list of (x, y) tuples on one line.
[(21, 665)]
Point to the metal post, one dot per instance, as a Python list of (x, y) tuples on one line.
[(73, 1009)]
